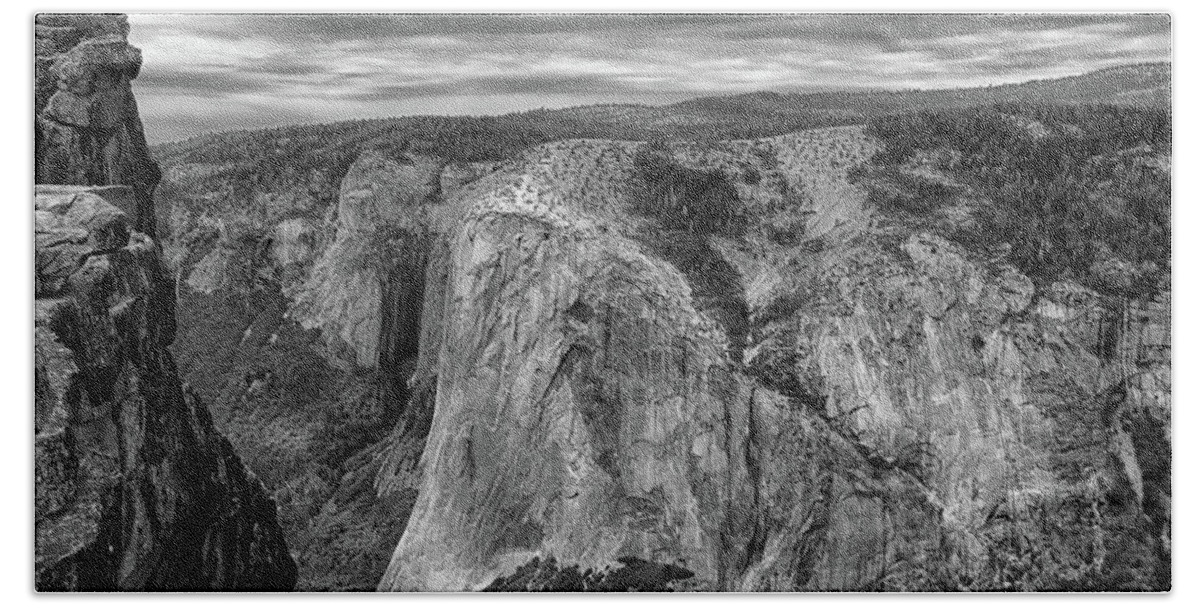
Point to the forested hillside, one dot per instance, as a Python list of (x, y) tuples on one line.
[(237, 163), (922, 350), (1067, 192)]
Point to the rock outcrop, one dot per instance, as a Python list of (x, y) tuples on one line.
[(385, 214), (136, 490), (582, 395), (892, 414), (581, 402), (307, 325), (88, 130), (1011, 402)]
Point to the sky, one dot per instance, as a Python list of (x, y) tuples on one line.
[(217, 72)]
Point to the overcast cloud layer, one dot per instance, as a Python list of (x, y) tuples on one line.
[(218, 72)]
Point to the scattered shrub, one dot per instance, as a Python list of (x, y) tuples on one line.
[(1066, 186)]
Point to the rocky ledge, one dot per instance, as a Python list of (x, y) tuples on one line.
[(135, 488), (87, 126)]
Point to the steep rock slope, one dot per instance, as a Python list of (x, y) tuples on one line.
[(902, 415), (580, 399), (300, 325), (383, 221), (588, 411), (872, 356), (1011, 402), (88, 131), (135, 488)]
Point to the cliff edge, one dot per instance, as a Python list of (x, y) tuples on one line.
[(135, 488)]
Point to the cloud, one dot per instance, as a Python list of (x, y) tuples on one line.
[(200, 83), (335, 66)]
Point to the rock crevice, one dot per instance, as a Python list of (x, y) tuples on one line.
[(136, 488), (87, 127)]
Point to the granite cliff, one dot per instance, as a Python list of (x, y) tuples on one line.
[(87, 127), (889, 413), (136, 490), (135, 487), (608, 364), (301, 315)]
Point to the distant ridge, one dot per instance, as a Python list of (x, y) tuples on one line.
[(1134, 84), (742, 116)]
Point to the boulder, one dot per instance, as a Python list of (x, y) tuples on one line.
[(88, 130)]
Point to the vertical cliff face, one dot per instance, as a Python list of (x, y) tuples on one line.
[(893, 412), (581, 399), (363, 296), (88, 131), (1012, 403), (309, 327), (384, 219), (136, 489)]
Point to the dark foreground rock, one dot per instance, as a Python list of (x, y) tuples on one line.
[(87, 127), (135, 490)]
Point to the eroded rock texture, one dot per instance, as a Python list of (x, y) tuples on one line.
[(1012, 403), (533, 376), (136, 490), (819, 402), (88, 131), (611, 410), (309, 328), (384, 218)]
